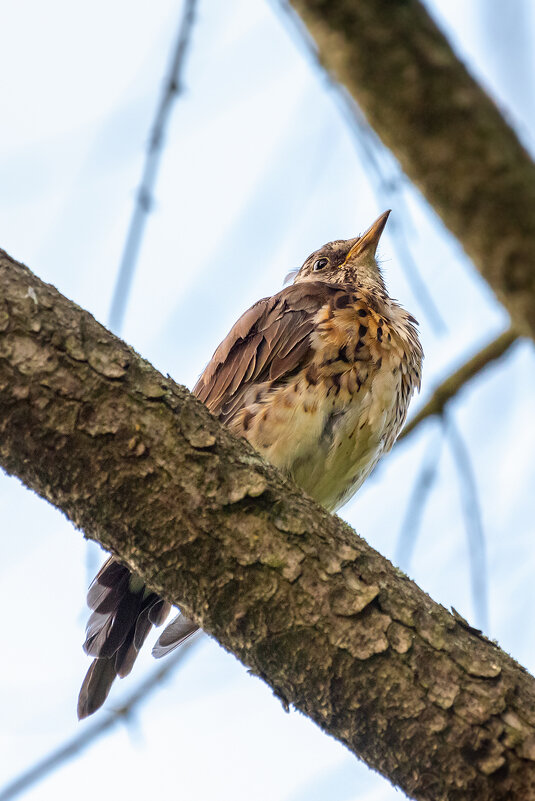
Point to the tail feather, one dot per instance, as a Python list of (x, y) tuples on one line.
[(95, 687), (178, 630), (124, 611), (158, 612), (108, 586)]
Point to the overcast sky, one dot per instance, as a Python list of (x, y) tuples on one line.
[(259, 170)]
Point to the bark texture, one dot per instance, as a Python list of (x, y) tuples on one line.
[(141, 466), (447, 134)]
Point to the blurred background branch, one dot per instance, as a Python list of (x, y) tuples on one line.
[(473, 519), (458, 149), (144, 202), (384, 174), (421, 489), (144, 196), (107, 719), (457, 381)]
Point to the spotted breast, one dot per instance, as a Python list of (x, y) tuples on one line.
[(331, 396)]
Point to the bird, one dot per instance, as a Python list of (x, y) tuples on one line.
[(318, 378)]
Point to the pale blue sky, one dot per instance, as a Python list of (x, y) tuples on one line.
[(259, 170)]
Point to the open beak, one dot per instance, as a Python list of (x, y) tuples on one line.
[(370, 239)]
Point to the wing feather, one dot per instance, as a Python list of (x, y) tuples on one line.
[(268, 343)]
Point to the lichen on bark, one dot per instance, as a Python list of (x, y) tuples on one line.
[(140, 465)]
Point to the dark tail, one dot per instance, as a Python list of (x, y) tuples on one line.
[(124, 611)]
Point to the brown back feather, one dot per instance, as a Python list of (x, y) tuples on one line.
[(268, 343)]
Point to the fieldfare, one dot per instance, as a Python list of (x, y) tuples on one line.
[(318, 378)]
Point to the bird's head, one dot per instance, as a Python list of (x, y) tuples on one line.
[(347, 261)]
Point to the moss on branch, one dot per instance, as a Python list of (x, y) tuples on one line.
[(141, 466)]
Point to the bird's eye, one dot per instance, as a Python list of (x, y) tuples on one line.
[(320, 264)]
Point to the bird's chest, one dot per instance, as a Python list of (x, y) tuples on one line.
[(348, 420), (329, 423)]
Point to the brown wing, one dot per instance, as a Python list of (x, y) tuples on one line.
[(269, 342)]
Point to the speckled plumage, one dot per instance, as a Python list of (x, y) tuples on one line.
[(318, 378)]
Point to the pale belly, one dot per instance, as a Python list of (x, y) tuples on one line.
[(339, 461), (329, 442)]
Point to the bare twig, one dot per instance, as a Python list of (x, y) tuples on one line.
[(385, 176), (144, 197), (473, 523), (457, 380), (420, 493), (101, 726)]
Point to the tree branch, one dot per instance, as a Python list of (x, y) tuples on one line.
[(451, 386), (141, 466), (448, 135)]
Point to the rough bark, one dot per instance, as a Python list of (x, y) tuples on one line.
[(141, 466), (447, 134)]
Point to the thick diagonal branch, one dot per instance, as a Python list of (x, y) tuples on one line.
[(448, 135), (141, 466)]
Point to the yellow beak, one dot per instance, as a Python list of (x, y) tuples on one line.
[(370, 239)]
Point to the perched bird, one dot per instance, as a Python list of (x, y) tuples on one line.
[(318, 378)]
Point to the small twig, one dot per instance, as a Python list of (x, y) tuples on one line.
[(144, 197), (473, 523), (92, 732), (457, 380), (374, 155), (415, 509)]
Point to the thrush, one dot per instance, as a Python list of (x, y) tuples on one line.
[(318, 378)]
